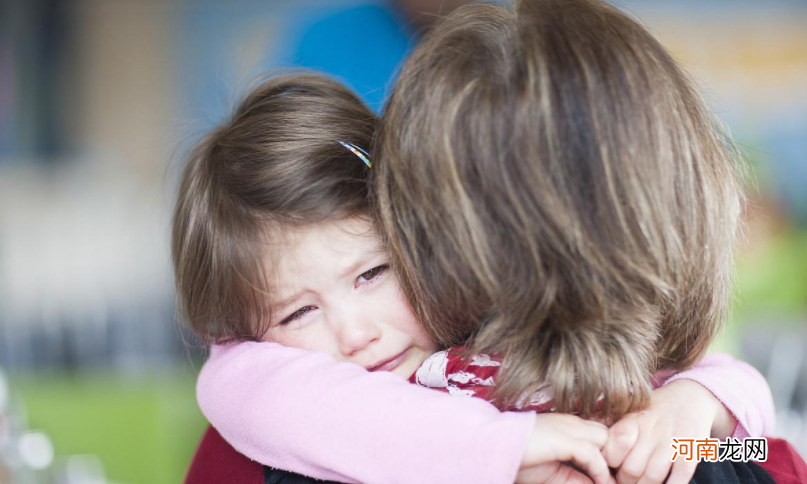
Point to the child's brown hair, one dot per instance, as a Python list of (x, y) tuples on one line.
[(553, 187), (278, 161)]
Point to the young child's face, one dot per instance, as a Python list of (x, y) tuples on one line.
[(334, 293)]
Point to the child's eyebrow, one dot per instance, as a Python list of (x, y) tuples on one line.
[(349, 272), (288, 301), (360, 260)]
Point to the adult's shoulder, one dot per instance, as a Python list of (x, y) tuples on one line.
[(217, 462)]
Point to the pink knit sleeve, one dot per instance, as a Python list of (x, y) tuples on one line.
[(304, 412), (740, 388)]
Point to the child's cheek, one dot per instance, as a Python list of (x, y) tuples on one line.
[(401, 316), (312, 337)]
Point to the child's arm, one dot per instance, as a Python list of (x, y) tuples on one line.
[(741, 389), (305, 412), (718, 397)]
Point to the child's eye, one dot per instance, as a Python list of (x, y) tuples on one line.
[(297, 314), (371, 275)]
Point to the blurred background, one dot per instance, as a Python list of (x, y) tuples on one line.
[(99, 101)]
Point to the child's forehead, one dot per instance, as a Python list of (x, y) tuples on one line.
[(326, 250), (349, 235)]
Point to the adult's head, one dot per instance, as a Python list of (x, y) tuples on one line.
[(427, 12), (553, 188)]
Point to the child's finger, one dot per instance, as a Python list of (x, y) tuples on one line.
[(658, 467), (561, 474), (621, 439), (589, 431), (636, 462), (569, 475), (682, 471), (588, 458), (596, 424)]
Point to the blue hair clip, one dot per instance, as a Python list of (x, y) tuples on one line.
[(363, 155)]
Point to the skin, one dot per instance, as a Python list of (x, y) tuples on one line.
[(639, 445), (336, 295)]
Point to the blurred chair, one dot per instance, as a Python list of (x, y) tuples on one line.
[(780, 353)]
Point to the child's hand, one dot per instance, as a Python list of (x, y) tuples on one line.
[(639, 445), (559, 438)]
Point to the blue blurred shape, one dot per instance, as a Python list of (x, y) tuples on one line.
[(362, 46), (787, 141)]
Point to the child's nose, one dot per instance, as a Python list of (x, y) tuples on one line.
[(356, 335)]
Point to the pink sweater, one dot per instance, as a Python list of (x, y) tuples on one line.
[(305, 412)]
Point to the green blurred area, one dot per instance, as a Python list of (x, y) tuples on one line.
[(143, 428), (773, 278), (771, 287)]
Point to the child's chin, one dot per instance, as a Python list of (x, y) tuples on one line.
[(400, 374), (408, 368)]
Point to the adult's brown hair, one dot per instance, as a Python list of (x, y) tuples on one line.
[(554, 189), (276, 162)]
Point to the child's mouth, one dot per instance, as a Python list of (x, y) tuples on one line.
[(390, 363)]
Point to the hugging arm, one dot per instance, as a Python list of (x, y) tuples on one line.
[(740, 388), (719, 397), (302, 411)]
